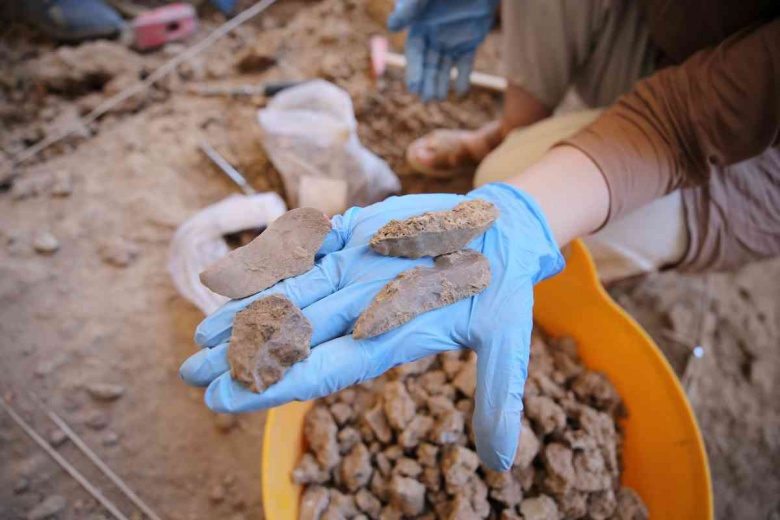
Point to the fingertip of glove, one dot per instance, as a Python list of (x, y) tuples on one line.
[(461, 89), (192, 370), (497, 459), (395, 23), (219, 395), (496, 438), (201, 336)]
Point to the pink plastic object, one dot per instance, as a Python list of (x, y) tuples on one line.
[(157, 27), (378, 49)]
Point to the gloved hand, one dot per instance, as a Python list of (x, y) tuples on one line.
[(495, 323), (442, 34)]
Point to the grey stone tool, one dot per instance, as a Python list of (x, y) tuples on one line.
[(435, 233), (285, 249), (453, 277)]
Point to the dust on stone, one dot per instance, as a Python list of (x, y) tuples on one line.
[(269, 336), (435, 233)]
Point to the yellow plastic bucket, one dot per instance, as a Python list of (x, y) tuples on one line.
[(663, 455)]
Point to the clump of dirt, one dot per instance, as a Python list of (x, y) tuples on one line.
[(403, 446), (269, 336), (87, 67)]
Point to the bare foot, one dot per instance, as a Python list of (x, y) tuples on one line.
[(448, 153)]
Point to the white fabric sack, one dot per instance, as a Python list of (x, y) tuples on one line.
[(310, 135)]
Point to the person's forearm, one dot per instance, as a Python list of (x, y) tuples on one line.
[(571, 191), (676, 127)]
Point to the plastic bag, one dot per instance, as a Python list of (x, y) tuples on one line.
[(198, 241), (310, 135)]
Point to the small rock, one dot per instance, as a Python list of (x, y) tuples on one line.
[(105, 391), (368, 503), (254, 61), (458, 464), (407, 495), (57, 437), (269, 336), (26, 187), (545, 414), (539, 508), (45, 242), (416, 430), (49, 507), (309, 471), (21, 486), (342, 412), (451, 362), (377, 422), (217, 69), (334, 67), (348, 438), (173, 49), (225, 422), (62, 186), (320, 431), (431, 478), (528, 446), (466, 380), (314, 502), (630, 506), (356, 469), (407, 467), (448, 427), (96, 420), (510, 514), (111, 438), (428, 454), (557, 460), (217, 493), (399, 406), (118, 252)]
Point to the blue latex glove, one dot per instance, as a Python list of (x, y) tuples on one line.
[(495, 323), (442, 34)]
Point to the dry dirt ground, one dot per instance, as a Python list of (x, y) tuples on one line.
[(102, 308)]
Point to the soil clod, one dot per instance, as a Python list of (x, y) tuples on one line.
[(45, 243), (269, 336), (105, 391)]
